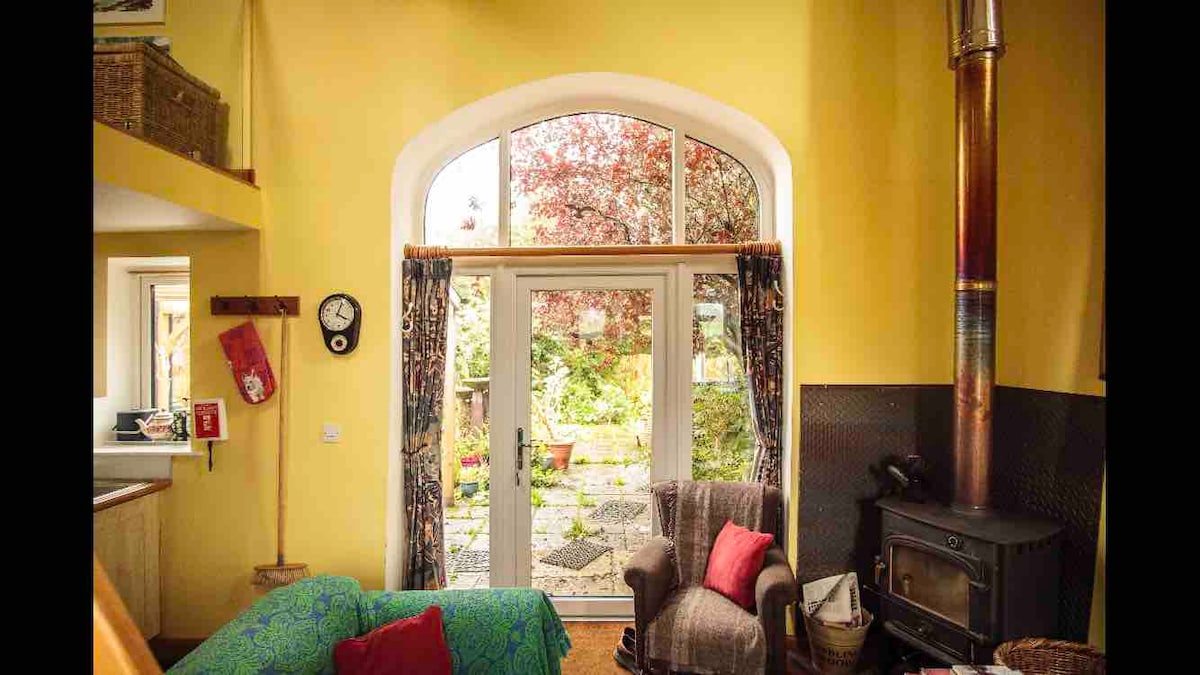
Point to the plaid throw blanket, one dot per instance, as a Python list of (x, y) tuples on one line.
[(699, 630), (701, 509)]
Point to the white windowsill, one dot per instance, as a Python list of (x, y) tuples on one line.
[(146, 450)]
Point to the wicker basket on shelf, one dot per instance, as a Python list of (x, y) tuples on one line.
[(138, 88), (1042, 656)]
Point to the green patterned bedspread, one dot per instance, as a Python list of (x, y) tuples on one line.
[(499, 630), (295, 628)]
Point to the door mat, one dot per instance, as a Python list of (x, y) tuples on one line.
[(468, 561), (576, 554), (617, 511)]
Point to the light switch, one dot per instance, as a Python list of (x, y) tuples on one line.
[(331, 433)]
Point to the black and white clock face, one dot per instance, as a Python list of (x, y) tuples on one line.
[(337, 313), (340, 316)]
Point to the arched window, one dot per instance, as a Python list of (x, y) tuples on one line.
[(631, 365), (592, 178)]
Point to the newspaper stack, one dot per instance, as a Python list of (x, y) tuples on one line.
[(834, 600)]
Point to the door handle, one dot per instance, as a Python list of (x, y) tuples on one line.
[(521, 445)]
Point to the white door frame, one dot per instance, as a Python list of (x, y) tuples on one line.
[(662, 464), (512, 281)]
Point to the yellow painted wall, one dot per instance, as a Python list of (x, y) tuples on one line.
[(858, 93), (1051, 197), (215, 526), (206, 39)]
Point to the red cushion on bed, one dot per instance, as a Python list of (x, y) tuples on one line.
[(409, 646), (735, 561)]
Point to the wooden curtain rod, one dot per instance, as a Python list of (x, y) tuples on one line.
[(751, 247)]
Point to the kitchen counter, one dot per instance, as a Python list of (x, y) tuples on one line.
[(108, 492)]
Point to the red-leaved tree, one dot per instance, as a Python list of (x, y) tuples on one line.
[(604, 179)]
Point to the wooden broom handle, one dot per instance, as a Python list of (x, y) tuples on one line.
[(282, 494)]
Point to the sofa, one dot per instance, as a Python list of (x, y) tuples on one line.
[(294, 629)]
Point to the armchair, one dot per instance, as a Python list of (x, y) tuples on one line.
[(680, 625)]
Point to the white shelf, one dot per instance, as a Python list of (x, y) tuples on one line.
[(130, 449)]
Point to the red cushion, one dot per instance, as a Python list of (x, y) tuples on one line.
[(735, 561), (414, 645)]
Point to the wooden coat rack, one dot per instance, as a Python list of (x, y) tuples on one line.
[(254, 305)]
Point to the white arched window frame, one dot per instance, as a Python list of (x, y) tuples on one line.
[(686, 113)]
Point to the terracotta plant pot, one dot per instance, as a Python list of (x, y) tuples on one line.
[(561, 453)]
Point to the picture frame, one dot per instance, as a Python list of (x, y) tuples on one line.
[(128, 11)]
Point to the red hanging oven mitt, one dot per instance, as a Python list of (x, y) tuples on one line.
[(248, 361)]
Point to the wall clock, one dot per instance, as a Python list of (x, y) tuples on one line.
[(340, 316)]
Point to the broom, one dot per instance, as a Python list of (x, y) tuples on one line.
[(281, 573)]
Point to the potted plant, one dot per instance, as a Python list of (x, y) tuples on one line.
[(471, 447), (468, 480), (551, 418)]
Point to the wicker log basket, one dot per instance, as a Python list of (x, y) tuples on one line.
[(1042, 656), (137, 88)]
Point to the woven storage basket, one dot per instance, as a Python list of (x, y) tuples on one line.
[(138, 88), (1041, 656)]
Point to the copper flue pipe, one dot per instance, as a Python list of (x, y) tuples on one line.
[(976, 45)]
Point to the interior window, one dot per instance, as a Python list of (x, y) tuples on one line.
[(166, 361), (462, 207), (591, 179), (721, 199)]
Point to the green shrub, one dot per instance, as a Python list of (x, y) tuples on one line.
[(722, 438), (536, 499), (472, 442), (542, 478), (472, 345), (472, 474), (581, 385)]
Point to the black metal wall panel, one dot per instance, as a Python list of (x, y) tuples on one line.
[(1048, 460)]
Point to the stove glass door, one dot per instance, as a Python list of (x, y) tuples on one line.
[(932, 582)]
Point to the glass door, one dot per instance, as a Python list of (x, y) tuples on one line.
[(591, 384)]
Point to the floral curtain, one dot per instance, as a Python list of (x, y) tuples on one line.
[(759, 285), (426, 292)]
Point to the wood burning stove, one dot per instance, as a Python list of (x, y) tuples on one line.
[(955, 585), (956, 581)]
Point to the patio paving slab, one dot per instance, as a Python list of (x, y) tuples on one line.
[(561, 505)]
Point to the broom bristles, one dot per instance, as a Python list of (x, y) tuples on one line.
[(274, 576)]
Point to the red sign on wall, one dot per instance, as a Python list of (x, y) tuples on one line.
[(208, 420)]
